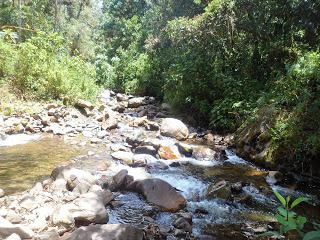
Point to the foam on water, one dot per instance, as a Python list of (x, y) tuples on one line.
[(188, 185), (215, 208), (200, 163), (18, 139), (234, 159), (138, 173), (258, 196)]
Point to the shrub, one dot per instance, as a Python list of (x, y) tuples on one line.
[(44, 69)]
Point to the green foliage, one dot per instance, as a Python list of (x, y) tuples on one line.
[(43, 69), (296, 131), (7, 56), (290, 221)]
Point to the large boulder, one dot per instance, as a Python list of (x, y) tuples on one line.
[(88, 208), (174, 128), (107, 232), (159, 193)]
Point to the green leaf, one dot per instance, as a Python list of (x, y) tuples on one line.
[(281, 198), (282, 220), (282, 211), (313, 235), (288, 200), (301, 221), (298, 201), (288, 228)]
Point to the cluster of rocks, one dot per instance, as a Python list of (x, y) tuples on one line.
[(76, 199), (73, 198)]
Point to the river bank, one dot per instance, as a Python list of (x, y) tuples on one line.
[(133, 170)]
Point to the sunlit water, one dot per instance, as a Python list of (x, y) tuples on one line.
[(26, 159)]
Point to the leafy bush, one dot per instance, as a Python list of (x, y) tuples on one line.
[(44, 69), (290, 221), (7, 56)]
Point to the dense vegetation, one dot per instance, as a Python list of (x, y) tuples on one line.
[(220, 60), (45, 48)]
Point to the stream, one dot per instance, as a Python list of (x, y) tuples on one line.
[(29, 158)]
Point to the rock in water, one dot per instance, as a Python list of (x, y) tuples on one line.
[(169, 152), (174, 128), (159, 193), (107, 232), (219, 190), (205, 153)]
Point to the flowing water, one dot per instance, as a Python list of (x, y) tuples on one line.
[(26, 159)]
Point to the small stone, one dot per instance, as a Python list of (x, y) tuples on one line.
[(102, 134), (219, 190), (13, 217), (87, 134), (126, 157), (84, 104), (136, 102), (119, 178), (115, 204), (179, 233), (150, 150), (28, 202), (95, 140), (182, 223), (90, 153)]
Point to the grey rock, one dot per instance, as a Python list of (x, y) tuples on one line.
[(159, 193), (107, 232)]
